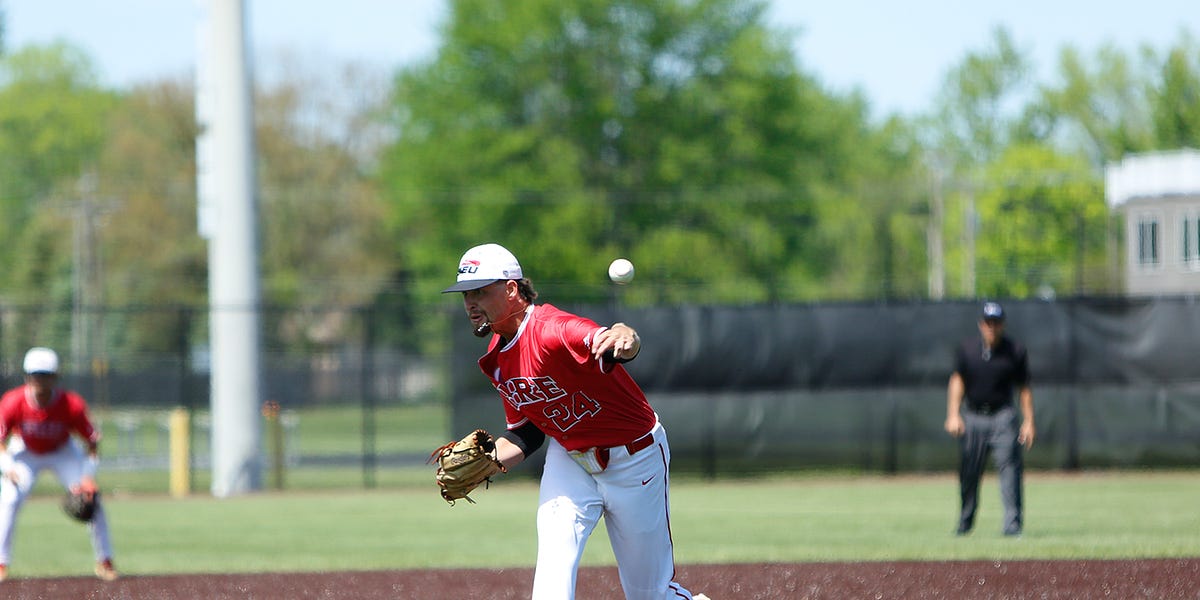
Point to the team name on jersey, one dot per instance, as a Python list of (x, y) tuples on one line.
[(42, 429), (521, 391), (559, 407)]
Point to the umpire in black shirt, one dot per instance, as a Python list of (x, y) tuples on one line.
[(981, 414)]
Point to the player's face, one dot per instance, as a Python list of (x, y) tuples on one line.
[(486, 303), (42, 384), (991, 329)]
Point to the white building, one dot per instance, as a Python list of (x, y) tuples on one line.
[(1159, 193)]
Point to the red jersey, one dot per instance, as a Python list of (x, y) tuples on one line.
[(547, 374), (45, 429)]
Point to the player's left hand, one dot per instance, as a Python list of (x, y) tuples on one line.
[(80, 507), (86, 486), (1026, 435), (620, 339), (465, 465)]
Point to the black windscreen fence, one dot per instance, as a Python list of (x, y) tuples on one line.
[(863, 385)]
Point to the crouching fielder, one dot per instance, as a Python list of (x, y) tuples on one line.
[(43, 417)]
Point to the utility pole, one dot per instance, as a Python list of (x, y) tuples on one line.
[(969, 232), (934, 242), (87, 275)]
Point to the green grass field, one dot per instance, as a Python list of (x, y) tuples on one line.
[(785, 519)]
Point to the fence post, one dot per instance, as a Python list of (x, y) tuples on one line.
[(891, 456), (180, 427), (183, 349), (366, 375), (708, 444), (271, 412), (1073, 388)]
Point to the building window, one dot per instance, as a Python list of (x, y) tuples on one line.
[(1147, 238), (1190, 242)]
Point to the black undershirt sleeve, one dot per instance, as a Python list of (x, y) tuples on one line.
[(611, 357), (526, 437)]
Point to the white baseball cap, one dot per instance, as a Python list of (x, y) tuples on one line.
[(41, 361), (485, 265)]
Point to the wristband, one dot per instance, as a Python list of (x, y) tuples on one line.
[(90, 464), (6, 462)]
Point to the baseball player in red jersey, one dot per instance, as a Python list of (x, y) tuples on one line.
[(562, 385), (43, 417)]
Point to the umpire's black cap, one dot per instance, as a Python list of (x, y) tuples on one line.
[(992, 311)]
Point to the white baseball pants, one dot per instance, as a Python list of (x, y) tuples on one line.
[(67, 463), (632, 496)]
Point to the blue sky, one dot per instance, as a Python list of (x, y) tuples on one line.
[(895, 52)]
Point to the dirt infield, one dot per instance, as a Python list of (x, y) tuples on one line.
[(1160, 579)]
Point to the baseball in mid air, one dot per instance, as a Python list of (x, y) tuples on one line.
[(620, 271)]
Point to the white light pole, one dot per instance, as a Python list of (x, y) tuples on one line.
[(228, 217)]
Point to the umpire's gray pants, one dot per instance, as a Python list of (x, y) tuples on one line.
[(995, 434)]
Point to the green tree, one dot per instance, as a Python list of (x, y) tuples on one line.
[(52, 115), (321, 213), (1176, 99), (1104, 111), (872, 224), (979, 110), (977, 115), (679, 134), (322, 243), (1042, 223), (154, 259), (1114, 104), (99, 194)]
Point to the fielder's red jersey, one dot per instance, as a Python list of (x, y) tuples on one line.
[(546, 374), (45, 429)]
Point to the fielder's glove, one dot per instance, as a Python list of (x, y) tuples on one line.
[(79, 506), (466, 464)]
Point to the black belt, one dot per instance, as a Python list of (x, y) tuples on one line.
[(988, 410)]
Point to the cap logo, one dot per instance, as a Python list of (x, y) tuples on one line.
[(468, 266)]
